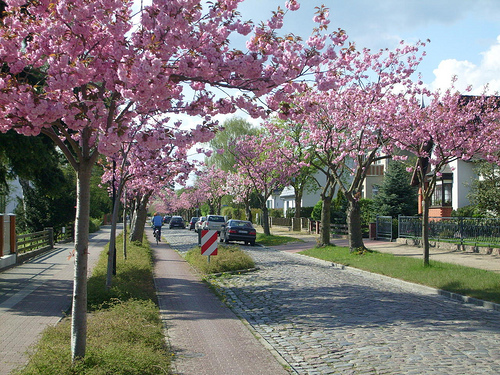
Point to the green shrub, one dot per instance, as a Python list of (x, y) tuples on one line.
[(229, 258), (275, 212), (94, 225)]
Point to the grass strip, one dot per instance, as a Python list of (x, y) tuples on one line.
[(473, 282), (274, 240), (228, 258), (125, 332)]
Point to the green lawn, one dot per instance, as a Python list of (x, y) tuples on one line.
[(274, 240), (467, 281), (125, 332)]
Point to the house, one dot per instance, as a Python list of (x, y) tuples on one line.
[(451, 193), (309, 199), (9, 202), (374, 178), (452, 188), (274, 200)]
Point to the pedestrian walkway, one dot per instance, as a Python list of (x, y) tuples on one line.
[(37, 294), (475, 260), (206, 337)]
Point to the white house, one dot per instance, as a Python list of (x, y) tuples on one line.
[(8, 203), (274, 200)]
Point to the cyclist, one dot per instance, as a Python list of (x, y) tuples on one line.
[(157, 222)]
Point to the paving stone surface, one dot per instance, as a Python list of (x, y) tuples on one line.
[(326, 320)]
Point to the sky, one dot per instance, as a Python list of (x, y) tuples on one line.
[(464, 34)]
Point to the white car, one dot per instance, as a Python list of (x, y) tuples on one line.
[(214, 222), (199, 224)]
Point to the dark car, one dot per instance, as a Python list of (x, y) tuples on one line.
[(238, 230), (176, 222), (192, 222), (166, 219)]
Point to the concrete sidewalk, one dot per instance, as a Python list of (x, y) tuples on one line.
[(475, 260), (206, 337), (36, 294)]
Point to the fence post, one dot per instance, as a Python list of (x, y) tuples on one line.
[(461, 229), (3, 238), (50, 233), (399, 226), (13, 237)]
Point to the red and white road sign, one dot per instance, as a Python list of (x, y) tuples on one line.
[(208, 242)]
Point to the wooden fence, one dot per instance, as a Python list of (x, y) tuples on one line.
[(31, 244)]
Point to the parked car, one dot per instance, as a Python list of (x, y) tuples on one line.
[(199, 224), (166, 219), (214, 222), (192, 222), (238, 230), (176, 222)]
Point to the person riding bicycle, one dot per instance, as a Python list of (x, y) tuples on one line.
[(157, 222)]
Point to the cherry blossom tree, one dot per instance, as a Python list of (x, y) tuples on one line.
[(212, 181), (157, 164), (80, 73), (267, 170), (453, 126), (347, 117), (193, 198), (288, 136), (241, 189)]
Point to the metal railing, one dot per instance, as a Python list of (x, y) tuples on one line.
[(463, 230), (384, 227)]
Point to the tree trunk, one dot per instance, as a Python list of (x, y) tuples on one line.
[(354, 225), (325, 221), (141, 214), (298, 208), (125, 223), (112, 239), (248, 211), (133, 206), (425, 228), (79, 307), (265, 220)]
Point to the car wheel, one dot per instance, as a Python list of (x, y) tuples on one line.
[(252, 243)]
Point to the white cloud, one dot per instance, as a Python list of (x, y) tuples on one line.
[(468, 73)]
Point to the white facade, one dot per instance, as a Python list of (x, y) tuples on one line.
[(15, 192), (274, 201), (309, 199), (463, 177)]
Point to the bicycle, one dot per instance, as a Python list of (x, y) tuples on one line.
[(156, 234)]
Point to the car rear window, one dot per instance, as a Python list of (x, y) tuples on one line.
[(219, 219), (243, 224)]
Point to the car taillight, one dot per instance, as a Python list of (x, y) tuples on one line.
[(252, 232), (233, 231)]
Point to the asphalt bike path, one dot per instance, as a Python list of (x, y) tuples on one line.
[(35, 295), (322, 319)]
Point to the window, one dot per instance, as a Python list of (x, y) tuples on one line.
[(442, 192)]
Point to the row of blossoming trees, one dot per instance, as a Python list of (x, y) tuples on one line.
[(102, 83)]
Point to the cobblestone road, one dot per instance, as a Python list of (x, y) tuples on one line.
[(325, 320)]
